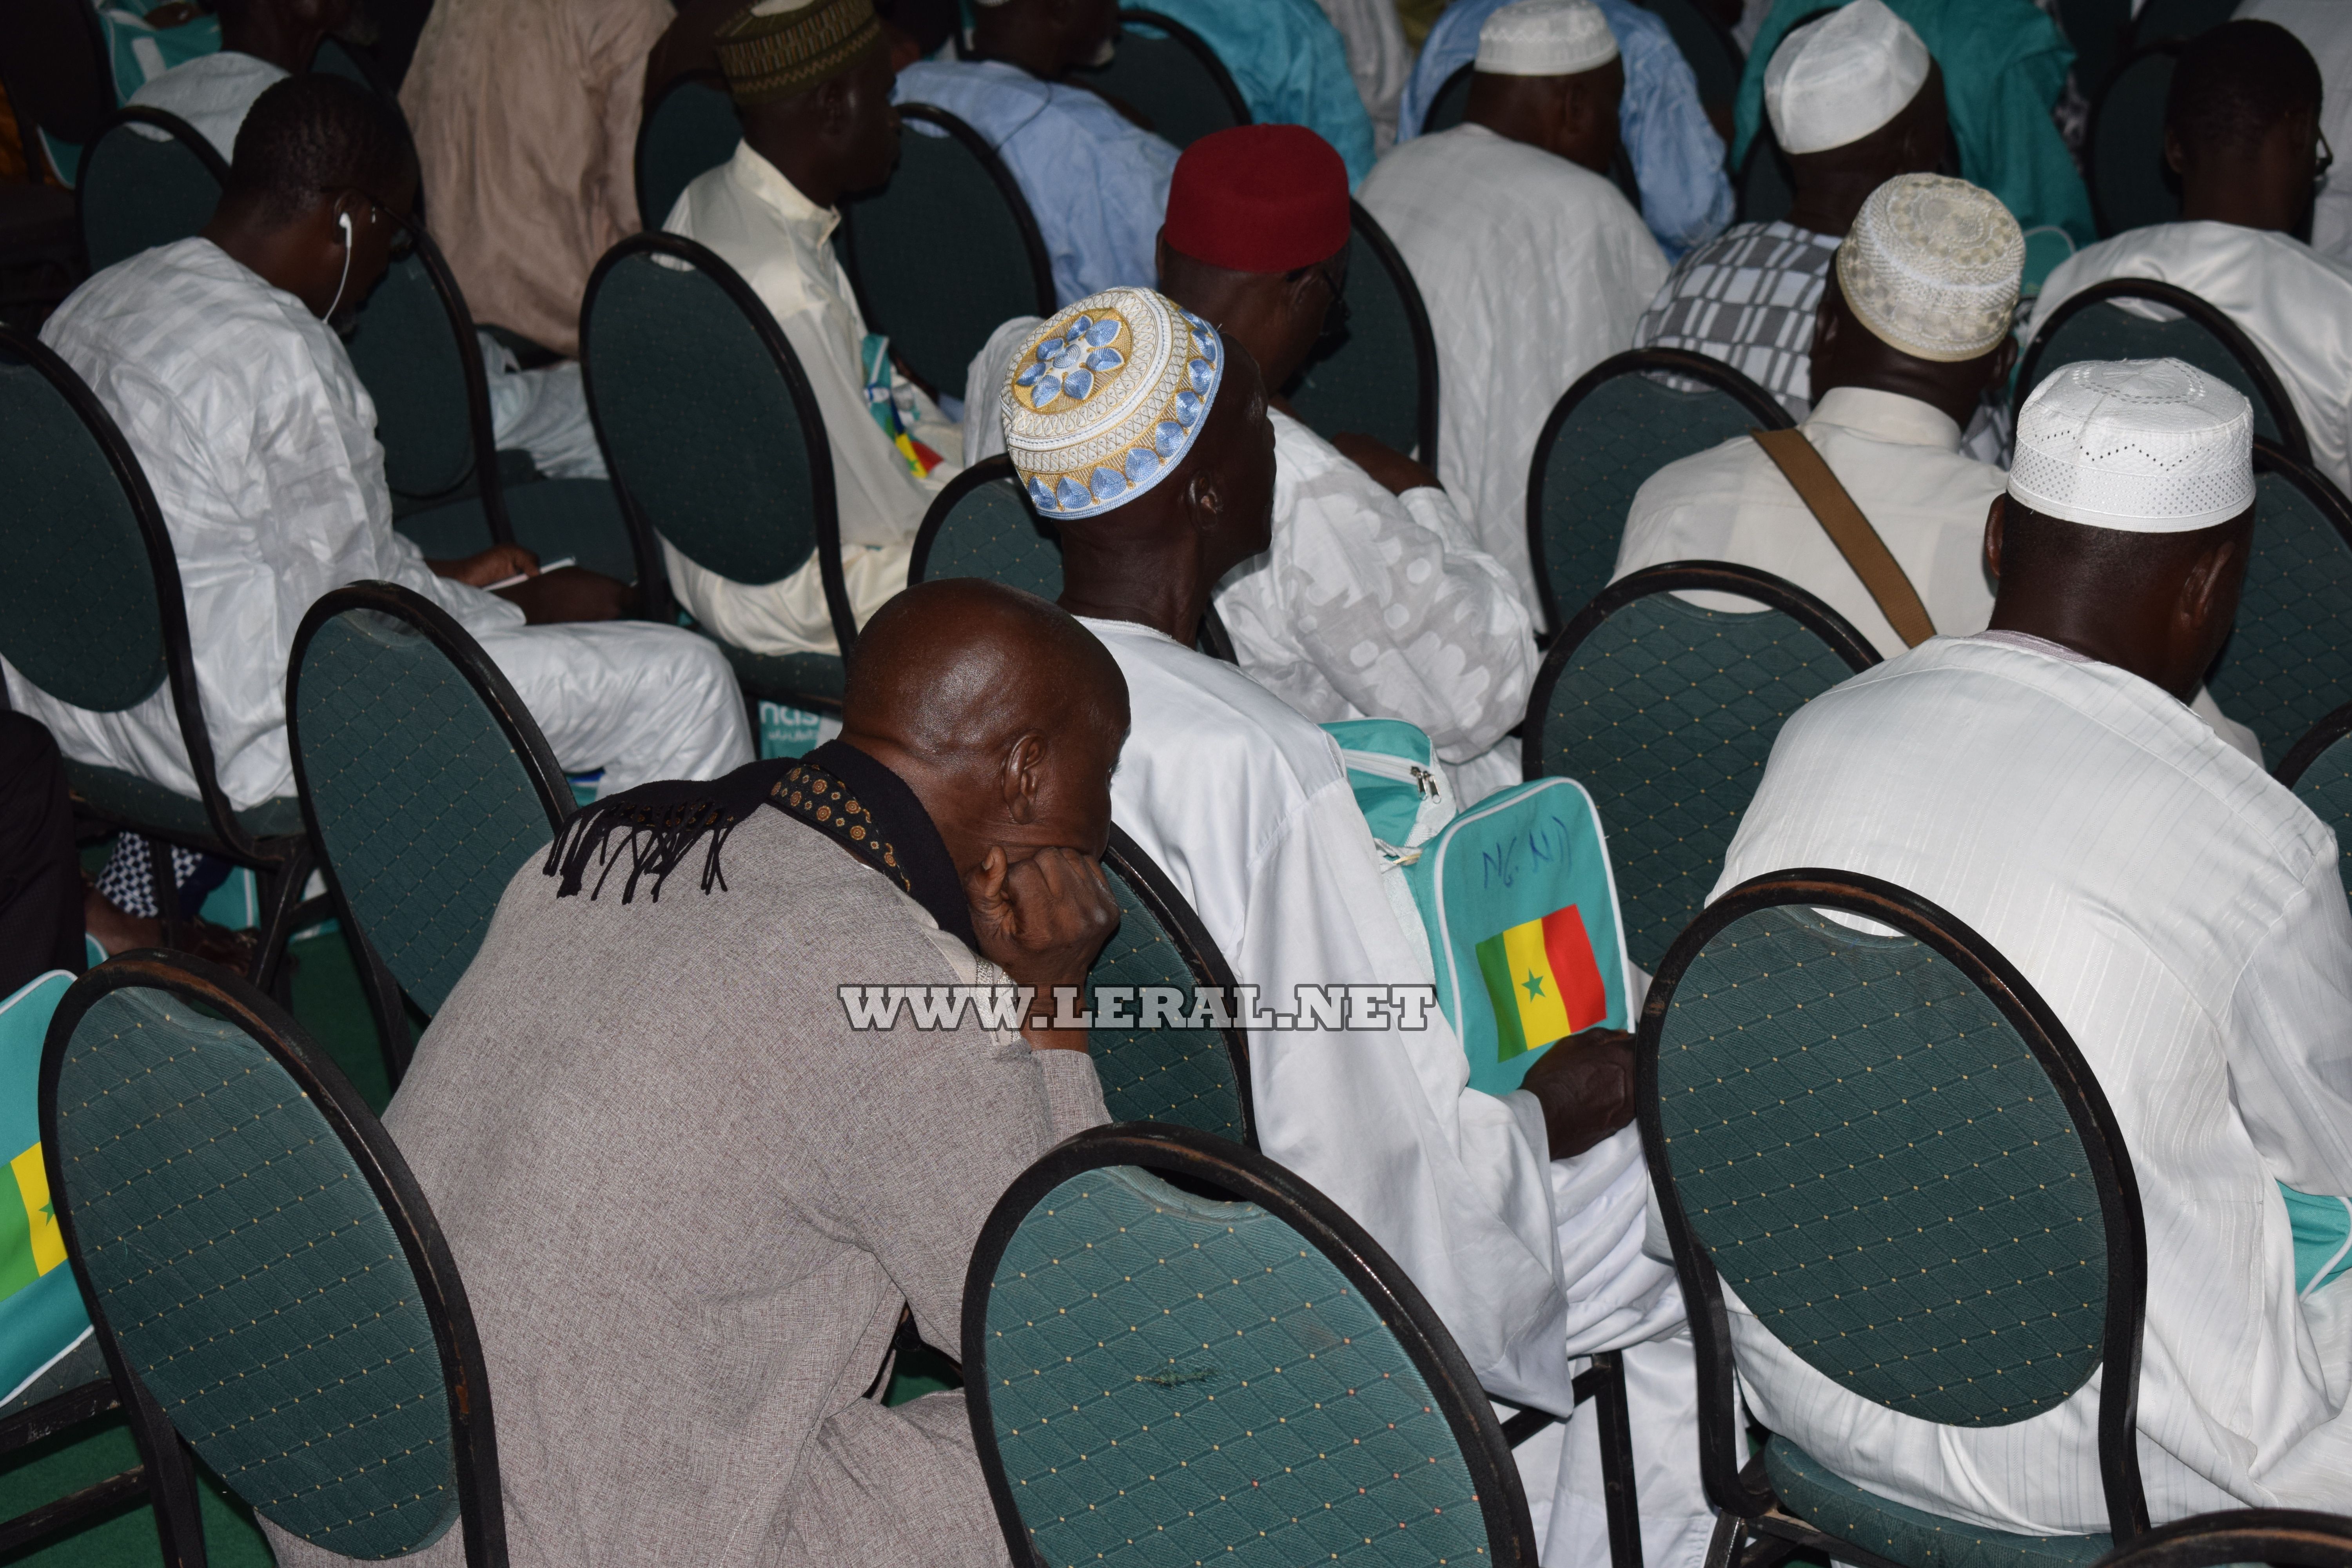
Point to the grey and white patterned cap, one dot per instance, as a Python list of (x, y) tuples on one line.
[(2141, 446), (1839, 79), (1931, 266)]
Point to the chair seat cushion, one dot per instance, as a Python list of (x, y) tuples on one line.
[(810, 681), (151, 807), (1837, 1507)]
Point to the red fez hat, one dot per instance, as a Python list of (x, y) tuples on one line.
[(1258, 198)]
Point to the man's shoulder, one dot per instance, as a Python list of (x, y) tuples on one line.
[(1224, 724), (164, 311), (1711, 473)]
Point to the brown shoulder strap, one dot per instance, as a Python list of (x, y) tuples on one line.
[(1850, 531)]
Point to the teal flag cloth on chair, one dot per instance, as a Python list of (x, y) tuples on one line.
[(2322, 1227), (41, 1314)]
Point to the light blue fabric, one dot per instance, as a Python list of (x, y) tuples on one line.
[(139, 54), (1097, 185), (1687, 197), (1291, 65), (2322, 1228)]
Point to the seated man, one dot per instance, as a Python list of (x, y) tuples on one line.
[(1678, 157), (1095, 182), (2180, 911), (1534, 266), (1855, 101), (2242, 129), (216, 359), (813, 86), (1158, 465), (2324, 29), (700, 1381), (1291, 65)]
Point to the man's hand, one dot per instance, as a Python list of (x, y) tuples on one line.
[(1041, 921), (495, 564), (1586, 1086), (571, 593), (1394, 472)]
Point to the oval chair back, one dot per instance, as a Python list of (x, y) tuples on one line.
[(1153, 1066), (137, 189), (949, 195), (92, 613), (2288, 1538), (425, 783), (2288, 662), (55, 70), (689, 129), (2123, 147), (1825, 1110), (413, 344), (1176, 1349), (1665, 712), (1167, 73), (1623, 420), (265, 1278), (2319, 769), (2091, 326), (714, 439), (1380, 378)]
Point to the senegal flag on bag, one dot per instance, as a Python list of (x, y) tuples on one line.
[(41, 1315), (1543, 982)]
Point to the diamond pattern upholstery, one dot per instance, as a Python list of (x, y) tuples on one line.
[(138, 193), (2105, 331), (692, 128), (1371, 382), (1625, 429), (406, 354), (1906, 1534), (1185, 1076), (126, 797), (1878, 1165), (2326, 786), (424, 811), (251, 1278), (1175, 1380), (992, 531), (2288, 664), (1665, 712)]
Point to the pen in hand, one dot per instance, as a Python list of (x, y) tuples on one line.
[(525, 576)]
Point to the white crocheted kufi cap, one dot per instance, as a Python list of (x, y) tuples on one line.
[(2142, 446), (1931, 265), (1545, 38), (1105, 400), (1838, 79)]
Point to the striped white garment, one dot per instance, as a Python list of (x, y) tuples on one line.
[(2181, 911)]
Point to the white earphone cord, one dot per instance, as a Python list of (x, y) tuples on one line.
[(346, 275)]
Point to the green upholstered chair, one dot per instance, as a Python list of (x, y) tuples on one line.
[(949, 195), (2090, 326), (2124, 145), (1151, 1069), (715, 442), (414, 346), (136, 192), (424, 783), (2288, 662), (1379, 379), (1167, 73), (1621, 422), (1175, 1350), (1452, 105), (1665, 712), (264, 1279), (2289, 1537), (1889, 1147), (690, 128), (2319, 771), (92, 613)]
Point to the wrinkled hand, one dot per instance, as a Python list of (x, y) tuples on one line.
[(1041, 921), (1586, 1086), (495, 564), (1391, 470), (572, 594)]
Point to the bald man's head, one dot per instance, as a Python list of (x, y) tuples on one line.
[(1001, 712)]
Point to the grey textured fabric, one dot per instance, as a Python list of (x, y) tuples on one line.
[(688, 1200)]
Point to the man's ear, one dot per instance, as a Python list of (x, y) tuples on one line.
[(1022, 775), (2200, 589), (1202, 500), (836, 113), (1994, 515), (2175, 155)]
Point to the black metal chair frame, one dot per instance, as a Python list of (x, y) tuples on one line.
[(652, 578), (179, 129), (61, 1413), (1199, 48), (2292, 437), (702, 78), (2282, 1536), (1744, 1496), (165, 1469), (284, 862), (1126, 859), (1717, 376), (2317, 488), (2306, 751), (1201, 1159), (514, 720)]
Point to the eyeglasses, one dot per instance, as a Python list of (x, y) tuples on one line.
[(1334, 314), (2322, 160), (403, 243)]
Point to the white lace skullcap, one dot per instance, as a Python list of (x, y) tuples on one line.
[(2142, 446), (1931, 265), (1105, 399), (1545, 38), (1838, 79)]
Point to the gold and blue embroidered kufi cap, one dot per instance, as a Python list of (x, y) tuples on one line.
[(1104, 402)]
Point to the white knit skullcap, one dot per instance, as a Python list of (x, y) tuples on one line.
[(1838, 79), (2141, 446), (1931, 266), (1545, 38), (1105, 400)]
